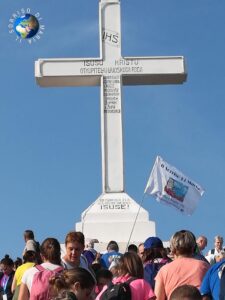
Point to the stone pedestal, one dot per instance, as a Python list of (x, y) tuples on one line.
[(112, 217)]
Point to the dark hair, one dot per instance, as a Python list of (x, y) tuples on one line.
[(104, 273), (96, 267), (28, 234), (151, 253), (113, 246), (132, 248), (74, 236), (186, 291), (7, 261), (67, 278), (131, 263), (29, 256), (18, 262), (50, 250)]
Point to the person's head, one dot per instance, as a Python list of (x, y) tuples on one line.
[(112, 246), (74, 244), (29, 256), (90, 243), (78, 280), (185, 292), (153, 242), (28, 235), (96, 266), (132, 248), (201, 242), (130, 263), (218, 242), (103, 277), (141, 249), (18, 262), (7, 265), (50, 251), (153, 248), (183, 243)]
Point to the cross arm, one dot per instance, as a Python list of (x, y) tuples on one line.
[(67, 72), (87, 72), (154, 70)]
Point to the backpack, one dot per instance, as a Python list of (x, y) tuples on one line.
[(151, 269), (118, 291), (40, 284)]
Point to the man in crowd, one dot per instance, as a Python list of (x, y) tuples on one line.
[(201, 243), (31, 244), (215, 253), (112, 254), (210, 287)]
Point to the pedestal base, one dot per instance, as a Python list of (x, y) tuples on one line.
[(112, 217)]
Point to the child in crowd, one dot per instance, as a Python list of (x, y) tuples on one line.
[(77, 282), (103, 277), (130, 266)]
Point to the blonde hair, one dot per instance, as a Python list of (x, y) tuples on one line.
[(183, 243)]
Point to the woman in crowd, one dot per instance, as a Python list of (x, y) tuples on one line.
[(184, 269), (76, 283), (29, 259), (50, 254), (154, 257), (130, 269), (6, 277)]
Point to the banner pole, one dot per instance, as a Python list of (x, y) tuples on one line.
[(135, 220)]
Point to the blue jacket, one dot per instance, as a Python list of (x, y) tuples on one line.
[(211, 282)]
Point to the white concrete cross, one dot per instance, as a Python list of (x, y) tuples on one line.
[(110, 71)]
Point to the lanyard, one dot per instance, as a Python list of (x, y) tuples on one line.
[(4, 282)]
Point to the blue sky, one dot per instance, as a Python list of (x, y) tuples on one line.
[(50, 155)]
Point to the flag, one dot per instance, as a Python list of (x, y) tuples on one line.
[(173, 188)]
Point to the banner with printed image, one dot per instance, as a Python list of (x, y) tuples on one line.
[(172, 187)]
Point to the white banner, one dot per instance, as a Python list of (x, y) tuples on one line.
[(173, 188)]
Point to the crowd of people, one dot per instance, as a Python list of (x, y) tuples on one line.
[(145, 271)]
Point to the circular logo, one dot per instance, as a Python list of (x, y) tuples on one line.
[(26, 26)]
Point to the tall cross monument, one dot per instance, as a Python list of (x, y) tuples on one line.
[(112, 215)]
